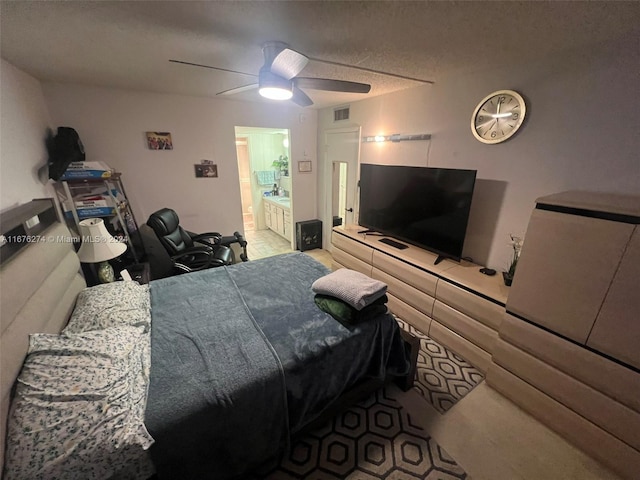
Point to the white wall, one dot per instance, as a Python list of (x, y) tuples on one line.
[(112, 125), (24, 124), (582, 131)]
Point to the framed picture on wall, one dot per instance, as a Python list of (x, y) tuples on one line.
[(304, 166), (159, 141), (206, 171)]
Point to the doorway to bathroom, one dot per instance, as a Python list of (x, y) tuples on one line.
[(265, 179)]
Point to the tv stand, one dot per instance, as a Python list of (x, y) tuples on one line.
[(451, 302), (393, 243), (439, 259)]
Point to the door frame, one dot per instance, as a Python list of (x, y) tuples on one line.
[(327, 210)]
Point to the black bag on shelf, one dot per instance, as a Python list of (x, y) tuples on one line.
[(64, 148)]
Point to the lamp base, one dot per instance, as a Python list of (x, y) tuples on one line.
[(105, 273)]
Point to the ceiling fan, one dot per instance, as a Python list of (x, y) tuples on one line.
[(278, 80)]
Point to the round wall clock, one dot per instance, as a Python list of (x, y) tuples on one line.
[(498, 116)]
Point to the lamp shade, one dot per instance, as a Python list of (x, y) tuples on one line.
[(97, 243)]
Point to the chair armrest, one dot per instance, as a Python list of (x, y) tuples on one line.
[(239, 239), (210, 239)]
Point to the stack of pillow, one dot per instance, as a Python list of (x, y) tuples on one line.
[(349, 296)]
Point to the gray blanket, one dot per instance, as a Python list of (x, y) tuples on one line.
[(321, 357), (217, 404), (214, 378)]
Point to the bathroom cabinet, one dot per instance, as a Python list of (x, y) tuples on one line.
[(277, 213)]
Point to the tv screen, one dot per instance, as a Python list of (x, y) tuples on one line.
[(424, 206)]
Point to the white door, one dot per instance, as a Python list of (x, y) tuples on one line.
[(342, 147)]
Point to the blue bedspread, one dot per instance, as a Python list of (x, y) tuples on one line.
[(241, 356)]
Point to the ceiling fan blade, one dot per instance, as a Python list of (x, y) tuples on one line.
[(289, 63), (371, 70), (331, 85), (244, 88), (301, 98), (213, 68)]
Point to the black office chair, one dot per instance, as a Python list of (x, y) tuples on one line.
[(162, 265), (194, 251)]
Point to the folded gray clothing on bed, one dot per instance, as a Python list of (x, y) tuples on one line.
[(353, 288)]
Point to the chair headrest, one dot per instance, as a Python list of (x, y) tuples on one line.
[(164, 221)]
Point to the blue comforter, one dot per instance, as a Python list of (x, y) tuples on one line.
[(242, 356)]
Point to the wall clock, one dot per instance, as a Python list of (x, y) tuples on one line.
[(498, 116)]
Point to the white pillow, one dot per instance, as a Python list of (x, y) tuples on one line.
[(78, 409), (110, 305)]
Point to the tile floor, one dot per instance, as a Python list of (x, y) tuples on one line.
[(489, 436), (266, 243)]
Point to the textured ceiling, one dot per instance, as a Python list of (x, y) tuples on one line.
[(128, 44)]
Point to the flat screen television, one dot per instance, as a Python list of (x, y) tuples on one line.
[(424, 206)]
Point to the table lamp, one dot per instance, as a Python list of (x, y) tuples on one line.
[(98, 246)]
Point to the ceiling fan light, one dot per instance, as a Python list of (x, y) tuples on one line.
[(275, 93), (273, 86)]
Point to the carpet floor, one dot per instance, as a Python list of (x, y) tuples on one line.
[(442, 377), (374, 439)]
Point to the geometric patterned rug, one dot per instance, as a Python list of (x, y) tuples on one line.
[(374, 439), (442, 377)]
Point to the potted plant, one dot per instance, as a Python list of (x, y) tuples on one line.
[(282, 164), (516, 245)]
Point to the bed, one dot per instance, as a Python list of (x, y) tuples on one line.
[(215, 370)]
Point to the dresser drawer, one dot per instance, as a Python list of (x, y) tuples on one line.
[(414, 297), (352, 247), (350, 262), (406, 273), (473, 354), (475, 332), (405, 312), (611, 416), (470, 304)]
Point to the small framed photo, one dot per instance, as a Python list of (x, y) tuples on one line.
[(206, 171), (304, 166), (159, 141)]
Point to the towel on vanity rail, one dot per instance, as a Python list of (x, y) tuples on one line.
[(353, 288), (266, 177)]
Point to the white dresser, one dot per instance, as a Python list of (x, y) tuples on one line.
[(569, 347)]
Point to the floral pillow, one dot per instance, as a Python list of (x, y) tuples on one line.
[(78, 409), (110, 305)]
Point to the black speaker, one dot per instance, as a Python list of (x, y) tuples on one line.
[(308, 235)]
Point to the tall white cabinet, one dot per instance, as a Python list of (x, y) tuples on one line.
[(569, 346)]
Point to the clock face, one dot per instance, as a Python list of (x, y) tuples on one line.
[(498, 116)]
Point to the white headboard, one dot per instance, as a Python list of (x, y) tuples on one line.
[(38, 288)]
